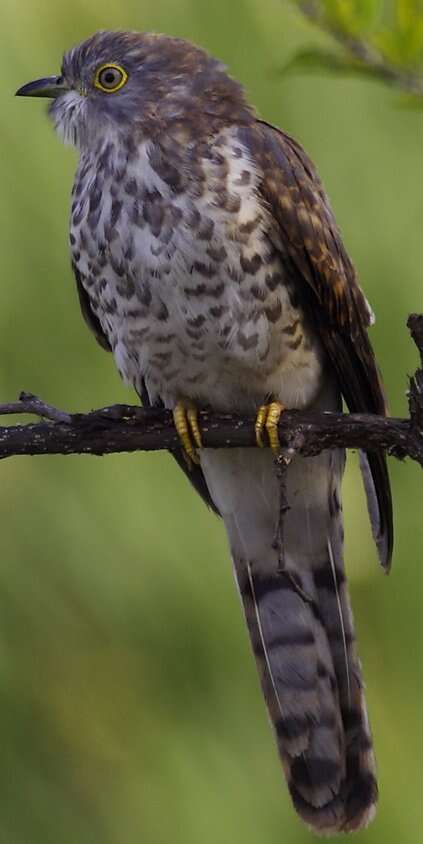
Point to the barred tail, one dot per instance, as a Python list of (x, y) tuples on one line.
[(300, 623)]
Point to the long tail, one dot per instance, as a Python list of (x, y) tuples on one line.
[(297, 608)]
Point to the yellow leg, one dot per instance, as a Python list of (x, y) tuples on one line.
[(268, 416), (185, 417)]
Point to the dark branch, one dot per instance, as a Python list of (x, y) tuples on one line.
[(128, 428)]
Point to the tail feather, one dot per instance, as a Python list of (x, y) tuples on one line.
[(301, 628)]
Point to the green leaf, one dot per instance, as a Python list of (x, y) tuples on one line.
[(355, 17), (325, 61), (322, 61), (407, 13), (403, 47)]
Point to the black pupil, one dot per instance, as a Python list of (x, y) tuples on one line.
[(110, 77)]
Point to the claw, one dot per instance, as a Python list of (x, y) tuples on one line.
[(185, 417), (268, 416), (260, 423), (192, 415)]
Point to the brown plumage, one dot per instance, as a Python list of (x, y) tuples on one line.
[(208, 261)]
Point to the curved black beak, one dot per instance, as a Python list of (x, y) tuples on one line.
[(50, 86)]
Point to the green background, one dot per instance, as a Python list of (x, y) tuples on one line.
[(129, 703)]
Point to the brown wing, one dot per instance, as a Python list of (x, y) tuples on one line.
[(310, 244), (193, 472)]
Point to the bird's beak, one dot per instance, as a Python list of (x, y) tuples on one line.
[(51, 86)]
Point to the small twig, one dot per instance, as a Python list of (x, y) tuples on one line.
[(415, 326), (415, 393), (28, 403), (279, 539), (363, 52)]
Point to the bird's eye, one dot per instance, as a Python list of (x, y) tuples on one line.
[(110, 78)]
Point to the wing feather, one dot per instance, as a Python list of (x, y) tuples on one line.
[(90, 317), (310, 244)]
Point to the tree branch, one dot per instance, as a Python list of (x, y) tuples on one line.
[(128, 428), (362, 52)]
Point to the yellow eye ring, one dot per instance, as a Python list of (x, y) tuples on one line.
[(118, 77)]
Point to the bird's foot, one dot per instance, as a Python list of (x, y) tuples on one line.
[(267, 418), (185, 417)]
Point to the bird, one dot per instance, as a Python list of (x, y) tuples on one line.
[(208, 260)]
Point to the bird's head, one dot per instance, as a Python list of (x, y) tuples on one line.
[(116, 80)]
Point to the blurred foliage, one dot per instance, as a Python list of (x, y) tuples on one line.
[(129, 702), (376, 38)]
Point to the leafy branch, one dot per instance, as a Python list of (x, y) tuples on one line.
[(373, 40)]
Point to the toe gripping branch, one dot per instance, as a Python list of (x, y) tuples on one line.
[(185, 417), (267, 419)]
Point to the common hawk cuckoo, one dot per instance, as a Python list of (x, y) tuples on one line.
[(208, 260)]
